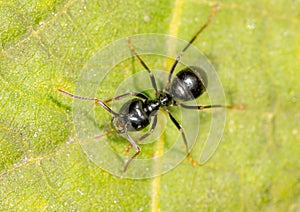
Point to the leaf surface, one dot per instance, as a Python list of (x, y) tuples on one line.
[(254, 45)]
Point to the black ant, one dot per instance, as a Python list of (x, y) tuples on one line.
[(136, 114)]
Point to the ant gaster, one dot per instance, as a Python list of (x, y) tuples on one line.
[(136, 114)]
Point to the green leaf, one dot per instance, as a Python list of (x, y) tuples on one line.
[(254, 46)]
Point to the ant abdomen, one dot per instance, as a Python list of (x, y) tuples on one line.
[(189, 84)]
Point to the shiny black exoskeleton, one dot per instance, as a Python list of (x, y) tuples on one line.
[(188, 84), (137, 113)]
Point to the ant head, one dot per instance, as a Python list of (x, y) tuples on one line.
[(119, 123), (189, 83)]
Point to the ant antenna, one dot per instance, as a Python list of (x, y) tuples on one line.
[(97, 101), (209, 19)]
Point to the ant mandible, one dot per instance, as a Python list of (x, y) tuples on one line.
[(136, 114)]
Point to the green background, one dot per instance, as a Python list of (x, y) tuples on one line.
[(255, 47)]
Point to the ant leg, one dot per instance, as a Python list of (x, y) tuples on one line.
[(145, 135), (97, 101), (209, 19), (145, 66), (104, 134), (134, 144), (150, 131), (179, 127), (140, 95), (202, 107)]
